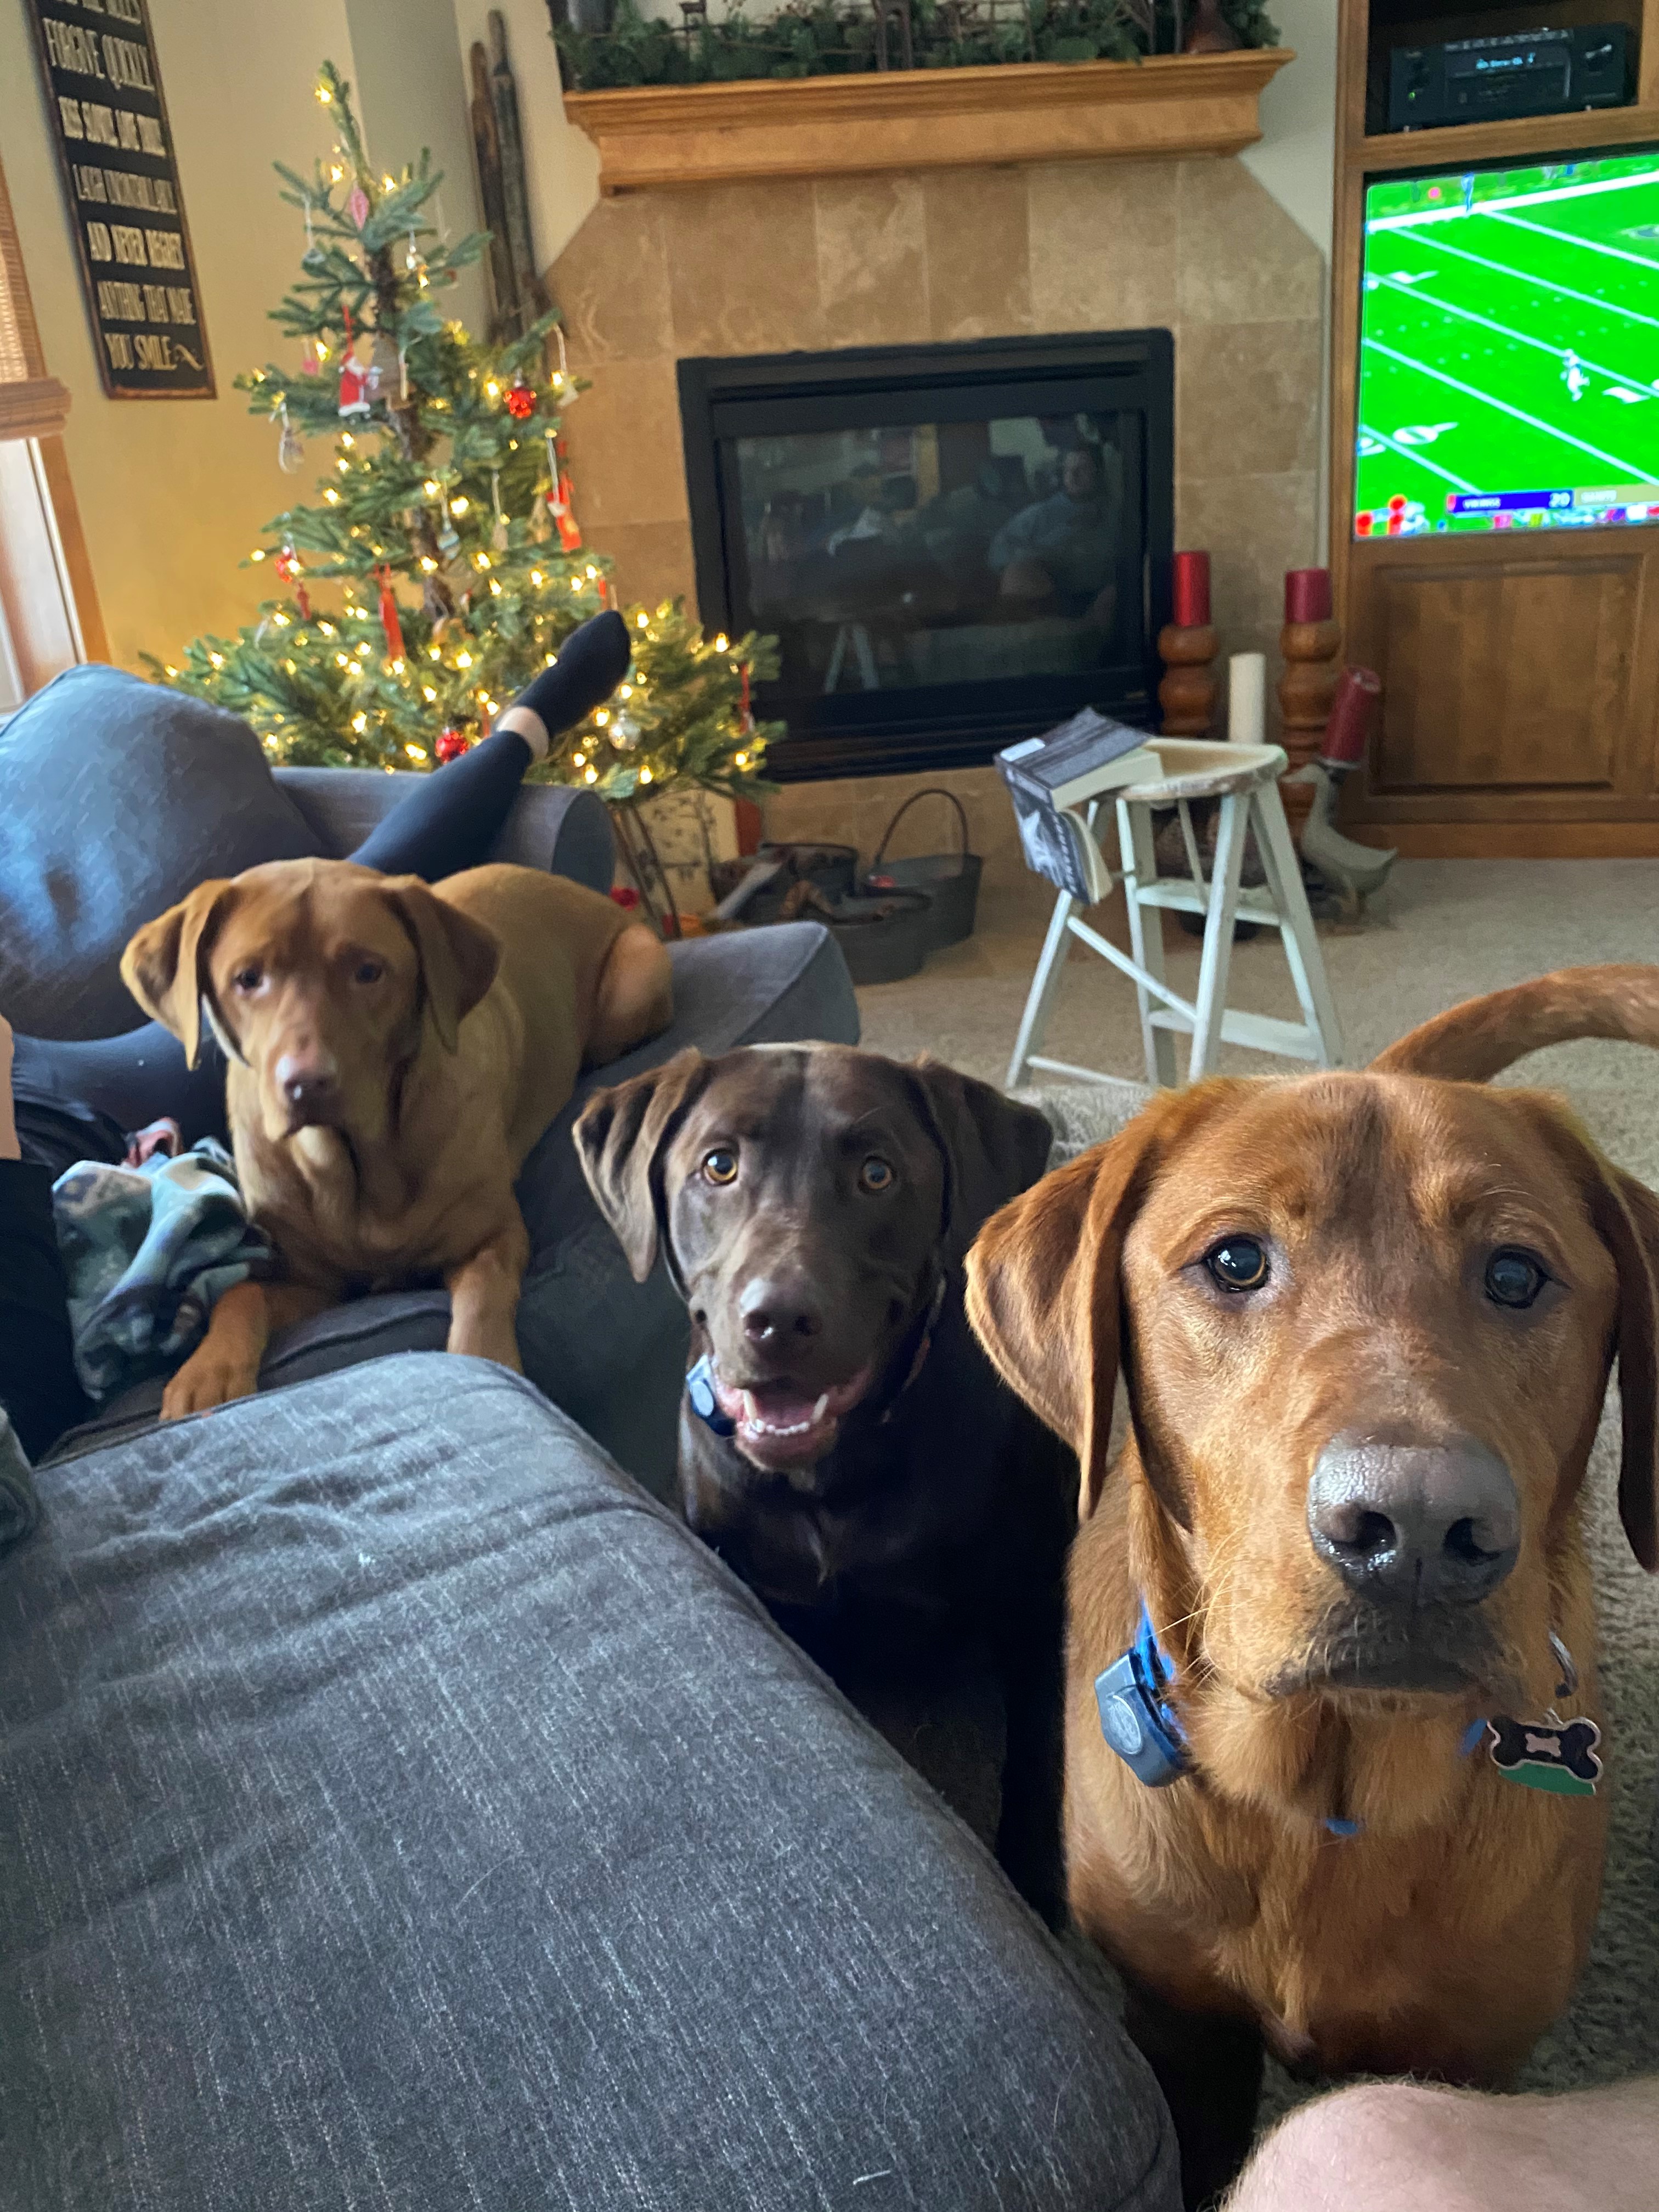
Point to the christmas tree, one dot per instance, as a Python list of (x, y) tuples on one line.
[(447, 477)]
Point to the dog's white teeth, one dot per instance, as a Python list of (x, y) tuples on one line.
[(820, 1409)]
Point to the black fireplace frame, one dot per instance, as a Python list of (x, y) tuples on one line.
[(942, 725)]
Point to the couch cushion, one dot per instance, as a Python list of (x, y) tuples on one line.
[(118, 797), (403, 1812)]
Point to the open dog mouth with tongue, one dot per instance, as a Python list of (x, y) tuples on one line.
[(783, 1424)]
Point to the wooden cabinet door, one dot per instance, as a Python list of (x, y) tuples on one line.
[(1512, 687)]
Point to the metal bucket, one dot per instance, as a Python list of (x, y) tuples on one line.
[(951, 880), (884, 936)]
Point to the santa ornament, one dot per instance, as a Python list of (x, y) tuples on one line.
[(360, 381)]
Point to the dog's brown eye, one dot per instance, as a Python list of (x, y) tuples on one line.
[(248, 978), (720, 1165), (875, 1174), (1237, 1263), (368, 971), (1514, 1279)]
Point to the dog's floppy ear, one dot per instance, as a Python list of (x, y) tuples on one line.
[(1626, 1217), (458, 956), (165, 963), (621, 1135), (993, 1147), (1043, 1293)]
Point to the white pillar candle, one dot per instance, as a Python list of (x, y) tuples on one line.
[(1247, 698)]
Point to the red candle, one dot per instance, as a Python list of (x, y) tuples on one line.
[(1192, 591), (1349, 729), (1307, 595)]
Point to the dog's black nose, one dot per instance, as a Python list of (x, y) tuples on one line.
[(310, 1086), (772, 1312), (1414, 1524)]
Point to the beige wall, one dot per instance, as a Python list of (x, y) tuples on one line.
[(172, 493)]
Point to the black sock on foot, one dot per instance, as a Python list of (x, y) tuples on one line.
[(591, 663)]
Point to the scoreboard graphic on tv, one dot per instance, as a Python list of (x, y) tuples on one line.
[(1509, 349)]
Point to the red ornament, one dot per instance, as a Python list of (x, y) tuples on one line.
[(389, 621), (520, 401), (449, 746), (288, 568)]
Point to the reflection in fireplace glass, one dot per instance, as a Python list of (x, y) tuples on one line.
[(945, 552)]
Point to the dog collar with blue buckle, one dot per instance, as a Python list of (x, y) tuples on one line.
[(1139, 1722)]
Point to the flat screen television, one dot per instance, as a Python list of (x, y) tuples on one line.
[(1508, 348)]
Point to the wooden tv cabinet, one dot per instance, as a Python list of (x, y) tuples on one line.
[(1519, 669)]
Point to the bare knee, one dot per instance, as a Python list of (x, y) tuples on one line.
[(1391, 2147)]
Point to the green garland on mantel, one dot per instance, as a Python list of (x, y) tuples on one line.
[(830, 37)]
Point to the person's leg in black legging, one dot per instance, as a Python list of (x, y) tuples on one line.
[(447, 823)]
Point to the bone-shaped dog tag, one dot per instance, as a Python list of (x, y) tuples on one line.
[(1548, 1754)]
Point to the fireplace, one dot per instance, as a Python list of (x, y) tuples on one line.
[(956, 545)]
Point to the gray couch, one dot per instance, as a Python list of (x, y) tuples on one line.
[(401, 1812)]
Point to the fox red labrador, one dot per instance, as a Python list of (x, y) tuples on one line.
[(1334, 1768), (395, 1051)]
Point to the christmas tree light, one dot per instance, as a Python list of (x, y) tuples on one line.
[(446, 475)]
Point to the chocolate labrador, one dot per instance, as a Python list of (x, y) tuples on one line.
[(1333, 1770), (844, 1444)]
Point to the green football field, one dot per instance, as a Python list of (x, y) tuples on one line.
[(1509, 336)]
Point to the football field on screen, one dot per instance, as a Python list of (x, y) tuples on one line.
[(1509, 333)]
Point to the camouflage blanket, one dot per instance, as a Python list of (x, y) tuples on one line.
[(147, 1251)]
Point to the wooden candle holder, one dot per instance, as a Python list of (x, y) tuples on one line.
[(1311, 644), (1186, 694)]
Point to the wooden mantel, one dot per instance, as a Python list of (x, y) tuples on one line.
[(662, 136)]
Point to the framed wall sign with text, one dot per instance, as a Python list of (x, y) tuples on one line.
[(109, 123)]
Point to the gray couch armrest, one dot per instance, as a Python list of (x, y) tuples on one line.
[(564, 832)]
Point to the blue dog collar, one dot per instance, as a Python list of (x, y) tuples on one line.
[(1136, 1718)]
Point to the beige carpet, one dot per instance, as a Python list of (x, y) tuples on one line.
[(1451, 929)]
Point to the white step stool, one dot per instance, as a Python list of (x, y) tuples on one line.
[(1245, 779)]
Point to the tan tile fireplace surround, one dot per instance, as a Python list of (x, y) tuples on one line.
[(1195, 246)]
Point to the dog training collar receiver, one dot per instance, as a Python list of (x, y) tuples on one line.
[(700, 1389), (1139, 1722), (1136, 1718)]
